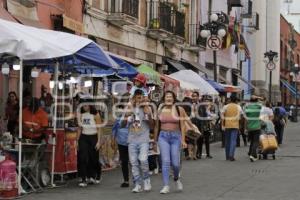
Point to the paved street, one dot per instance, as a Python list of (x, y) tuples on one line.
[(214, 179)]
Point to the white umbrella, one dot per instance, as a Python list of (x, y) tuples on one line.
[(194, 80)]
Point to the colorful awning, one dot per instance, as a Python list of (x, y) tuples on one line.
[(153, 77)]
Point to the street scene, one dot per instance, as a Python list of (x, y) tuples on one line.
[(207, 179), (149, 99)]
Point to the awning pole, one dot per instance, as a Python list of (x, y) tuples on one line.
[(54, 122), (20, 127)]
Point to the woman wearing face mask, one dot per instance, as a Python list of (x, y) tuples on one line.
[(170, 138)]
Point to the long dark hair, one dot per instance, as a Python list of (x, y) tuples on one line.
[(34, 105), (8, 98), (90, 103)]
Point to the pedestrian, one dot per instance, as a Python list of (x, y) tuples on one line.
[(139, 118), (191, 151), (279, 123), (231, 115), (12, 113), (120, 136), (267, 112), (253, 126), (170, 135), (89, 143), (280, 120), (201, 118)]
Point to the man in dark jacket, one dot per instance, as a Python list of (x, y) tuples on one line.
[(202, 120)]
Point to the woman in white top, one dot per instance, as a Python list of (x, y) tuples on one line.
[(89, 133)]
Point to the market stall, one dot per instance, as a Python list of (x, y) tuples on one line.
[(31, 46), (193, 80)]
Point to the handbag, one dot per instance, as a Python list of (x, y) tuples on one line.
[(191, 132)]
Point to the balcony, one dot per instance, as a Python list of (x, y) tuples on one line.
[(123, 12), (165, 23), (194, 43), (179, 28)]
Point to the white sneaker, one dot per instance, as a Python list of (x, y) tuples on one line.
[(82, 184), (147, 185), (179, 185), (98, 180), (165, 190), (253, 159), (91, 181), (137, 189)]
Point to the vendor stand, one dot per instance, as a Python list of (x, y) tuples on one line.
[(23, 44)]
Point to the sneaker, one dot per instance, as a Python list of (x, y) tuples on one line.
[(137, 189), (179, 185), (91, 181), (253, 159), (156, 171), (209, 157), (82, 184), (147, 185), (165, 190), (98, 180), (125, 185)]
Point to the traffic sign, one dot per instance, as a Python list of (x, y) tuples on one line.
[(214, 42), (271, 66)]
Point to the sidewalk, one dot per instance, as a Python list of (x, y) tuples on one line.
[(210, 179)]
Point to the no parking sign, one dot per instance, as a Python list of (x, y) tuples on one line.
[(214, 42)]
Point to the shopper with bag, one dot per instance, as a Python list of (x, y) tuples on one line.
[(253, 126), (170, 133)]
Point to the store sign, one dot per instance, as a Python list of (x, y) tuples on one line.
[(72, 24)]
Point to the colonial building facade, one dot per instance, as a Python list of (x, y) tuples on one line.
[(148, 31)]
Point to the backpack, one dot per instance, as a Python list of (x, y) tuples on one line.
[(278, 118)]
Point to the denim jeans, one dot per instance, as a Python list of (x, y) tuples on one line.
[(230, 142), (138, 156), (169, 146)]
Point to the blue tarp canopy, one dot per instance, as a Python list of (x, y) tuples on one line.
[(216, 85), (125, 70)]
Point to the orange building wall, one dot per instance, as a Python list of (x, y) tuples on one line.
[(287, 96)]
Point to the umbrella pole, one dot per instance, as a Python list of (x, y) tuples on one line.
[(54, 123), (20, 127)]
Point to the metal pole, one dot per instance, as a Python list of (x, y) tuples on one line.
[(296, 111), (20, 127), (54, 122), (270, 87), (215, 65)]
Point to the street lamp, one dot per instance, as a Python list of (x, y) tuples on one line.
[(270, 58), (214, 31), (295, 70)]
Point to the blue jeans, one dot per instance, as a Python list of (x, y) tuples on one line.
[(138, 156), (169, 146), (230, 142)]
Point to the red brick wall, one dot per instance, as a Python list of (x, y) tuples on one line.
[(285, 33)]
